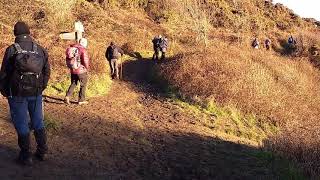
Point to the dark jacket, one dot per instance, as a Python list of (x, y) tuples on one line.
[(7, 68), (109, 54), (84, 60), (156, 43)]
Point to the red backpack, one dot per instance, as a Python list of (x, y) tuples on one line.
[(73, 57)]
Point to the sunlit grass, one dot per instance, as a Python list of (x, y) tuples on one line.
[(98, 85)]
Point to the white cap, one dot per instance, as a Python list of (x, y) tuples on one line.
[(84, 42)]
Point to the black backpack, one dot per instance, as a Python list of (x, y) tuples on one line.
[(156, 42), (28, 67)]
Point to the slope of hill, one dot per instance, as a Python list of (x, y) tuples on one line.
[(219, 96)]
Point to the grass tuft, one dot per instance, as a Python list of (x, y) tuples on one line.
[(50, 124)]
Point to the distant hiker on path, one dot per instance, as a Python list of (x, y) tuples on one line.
[(156, 47), (267, 43), (77, 60), (292, 41), (24, 74), (255, 43), (113, 55), (163, 47)]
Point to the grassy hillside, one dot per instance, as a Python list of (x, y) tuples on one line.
[(212, 64), (270, 88)]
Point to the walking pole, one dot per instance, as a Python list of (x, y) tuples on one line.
[(121, 68)]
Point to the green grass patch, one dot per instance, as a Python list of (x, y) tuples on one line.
[(50, 124), (98, 85), (282, 167), (229, 120), (146, 54)]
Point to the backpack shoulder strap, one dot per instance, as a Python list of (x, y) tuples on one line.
[(18, 48), (77, 53), (34, 47)]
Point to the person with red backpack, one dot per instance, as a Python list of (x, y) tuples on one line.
[(24, 75), (113, 54), (77, 60)]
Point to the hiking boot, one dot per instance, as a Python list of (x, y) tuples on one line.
[(83, 102), (40, 156), (25, 159), (67, 100), (24, 155), (42, 148)]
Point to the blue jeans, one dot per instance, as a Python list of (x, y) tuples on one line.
[(23, 109)]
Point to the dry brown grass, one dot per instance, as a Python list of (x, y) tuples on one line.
[(102, 26), (281, 90)]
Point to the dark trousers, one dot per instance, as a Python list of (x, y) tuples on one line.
[(268, 47), (156, 54), (163, 55), (83, 79)]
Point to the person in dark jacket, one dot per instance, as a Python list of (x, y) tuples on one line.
[(292, 41), (23, 89), (255, 44), (113, 54), (267, 44), (79, 74), (156, 47)]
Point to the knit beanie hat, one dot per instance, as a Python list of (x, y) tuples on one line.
[(21, 28)]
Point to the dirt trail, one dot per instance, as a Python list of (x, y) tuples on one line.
[(131, 133)]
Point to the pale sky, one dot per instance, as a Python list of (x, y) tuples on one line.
[(304, 8)]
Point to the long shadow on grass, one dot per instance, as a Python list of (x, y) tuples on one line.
[(143, 73), (286, 49), (95, 148)]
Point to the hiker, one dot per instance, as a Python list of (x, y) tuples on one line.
[(24, 74), (156, 47), (255, 43), (163, 47), (291, 41), (267, 44), (113, 55), (77, 60)]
